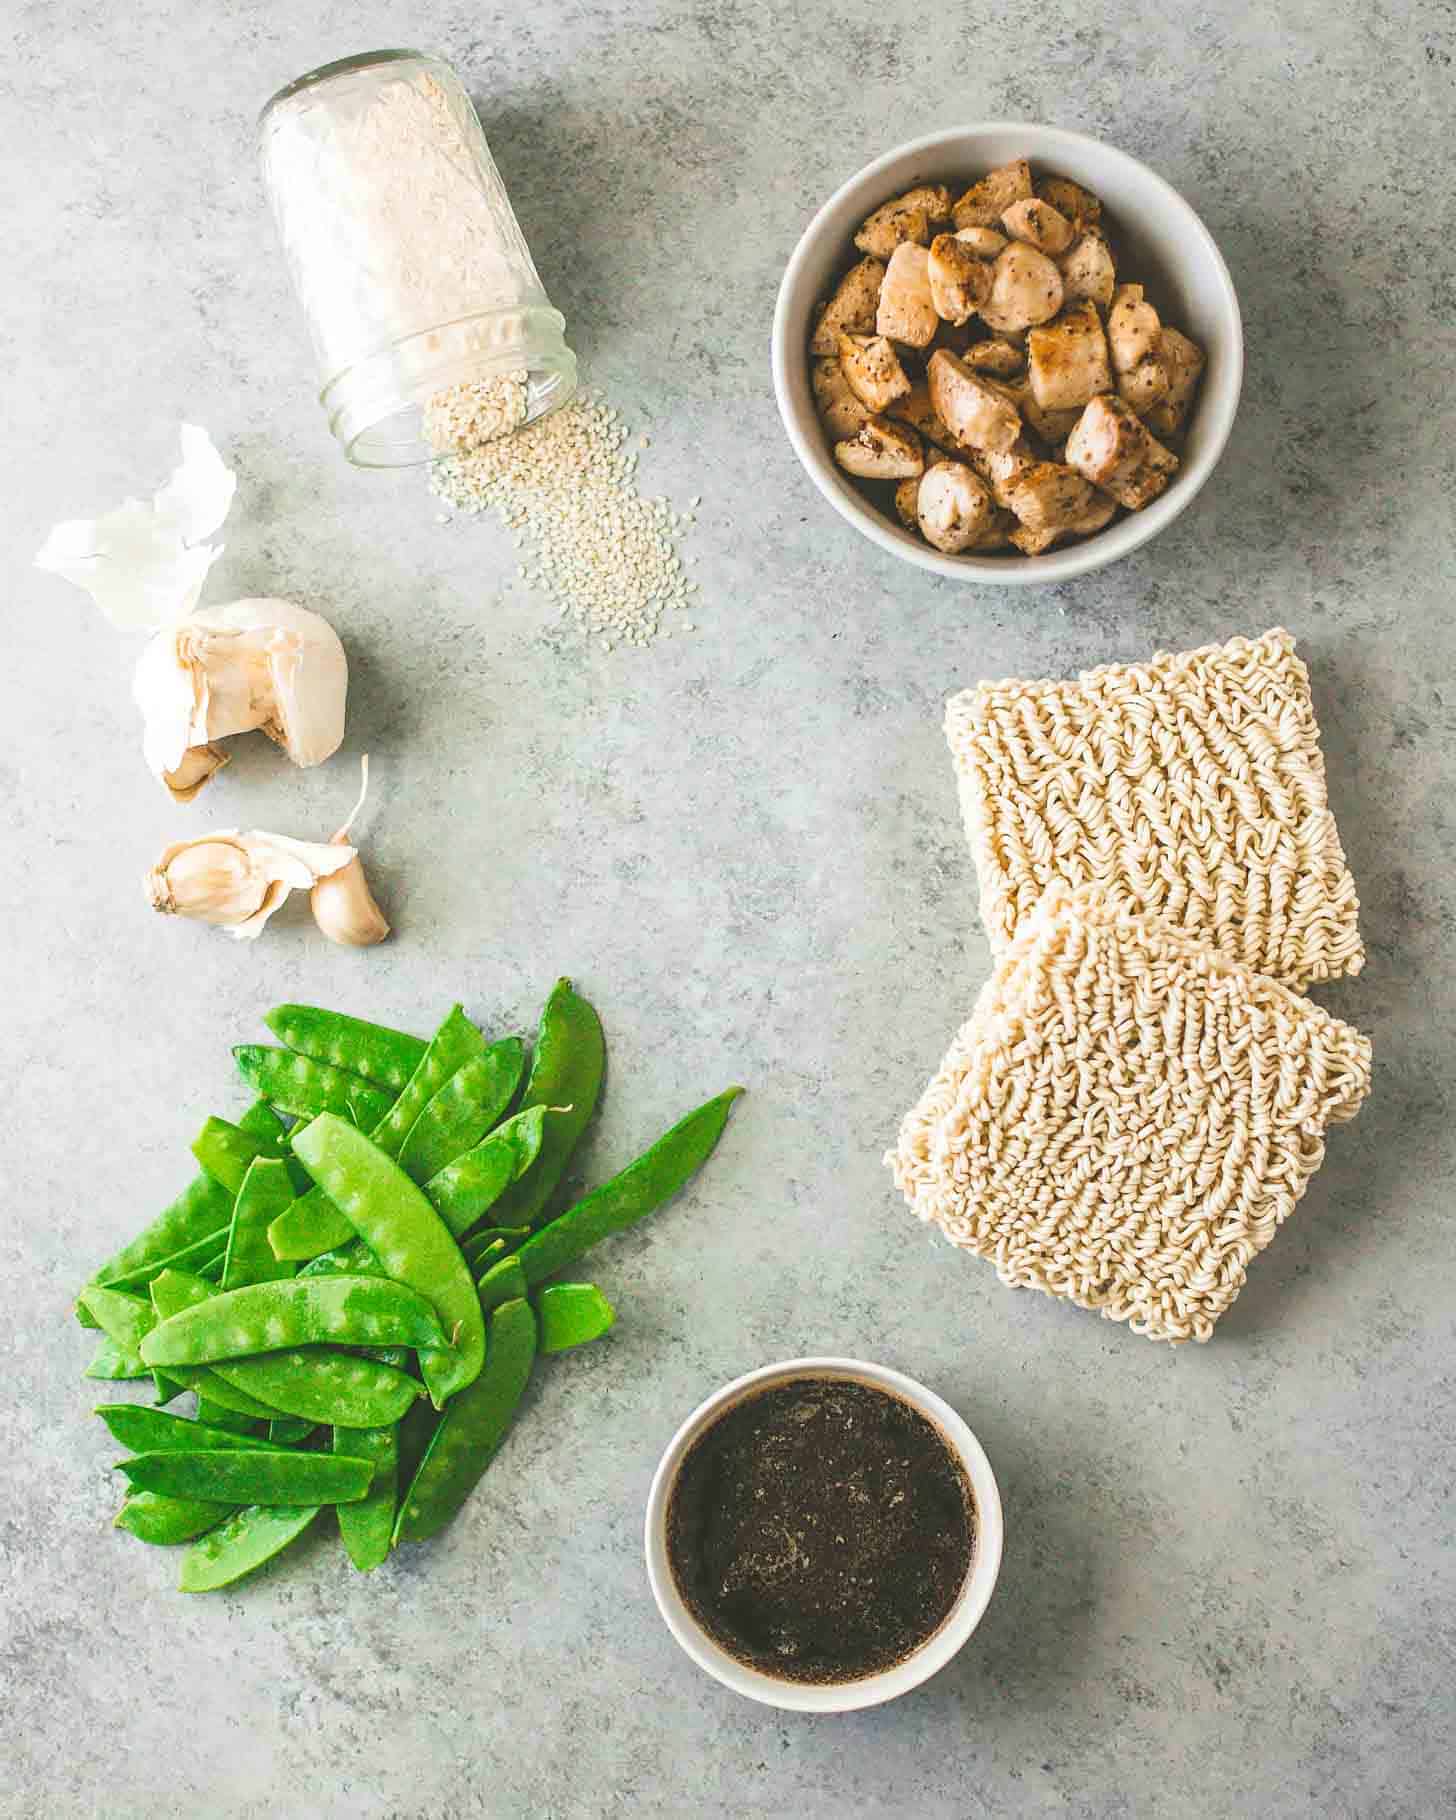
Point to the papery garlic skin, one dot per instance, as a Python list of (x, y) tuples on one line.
[(144, 565), (258, 663), (197, 764), (236, 881)]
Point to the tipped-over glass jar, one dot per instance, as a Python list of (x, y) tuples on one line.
[(432, 328)]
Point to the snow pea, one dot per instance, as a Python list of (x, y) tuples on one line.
[(113, 1364), (239, 1476), (464, 1109), (302, 1086), (367, 1528), (220, 1415), (210, 1269), (502, 1282), (264, 1317), (571, 1314), (465, 1191), (566, 1072), (386, 1057), (319, 1384), (641, 1188), (508, 1236), (288, 1431), (311, 1225), (472, 1427), (126, 1320), (203, 1207), (455, 1043), (481, 1252), (152, 1516), (201, 1251), (243, 1542), (171, 1292), (265, 1192), (408, 1237), (225, 1150), (146, 1430)]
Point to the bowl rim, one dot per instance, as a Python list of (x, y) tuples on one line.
[(1095, 552), (938, 1648)]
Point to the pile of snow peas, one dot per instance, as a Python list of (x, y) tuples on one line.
[(356, 1284)]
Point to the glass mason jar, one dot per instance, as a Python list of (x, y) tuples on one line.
[(430, 324)]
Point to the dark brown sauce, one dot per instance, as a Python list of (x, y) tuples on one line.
[(820, 1530)]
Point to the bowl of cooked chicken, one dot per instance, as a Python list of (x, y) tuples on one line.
[(1009, 354)]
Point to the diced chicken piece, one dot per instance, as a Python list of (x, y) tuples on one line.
[(882, 451), (851, 310), (1087, 269), (901, 219), (1184, 361), (839, 410), (959, 282), (1079, 206), (905, 312), (974, 409), (982, 204), (1067, 360), (916, 409), (1026, 289), (1001, 469), (1052, 427), (907, 502), (873, 370), (934, 198), (984, 242), (997, 535), (1133, 328), (1112, 447), (954, 507), (1050, 497), (1039, 224), (998, 356), (1146, 384), (1031, 540)]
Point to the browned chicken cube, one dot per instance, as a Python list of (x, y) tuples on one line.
[(873, 370), (916, 409), (839, 410), (959, 282), (1184, 361), (905, 311), (954, 508), (851, 310), (1026, 289), (1133, 328), (908, 217), (1039, 224), (999, 357), (1003, 469), (973, 408), (881, 451), (1146, 384), (1112, 447), (907, 502), (1087, 269), (983, 203), (1079, 206), (1050, 497), (1067, 360)]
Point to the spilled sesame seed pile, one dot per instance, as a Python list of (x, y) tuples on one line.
[(465, 416), (567, 488)]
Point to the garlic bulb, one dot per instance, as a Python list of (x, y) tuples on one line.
[(343, 905), (264, 664), (237, 881)]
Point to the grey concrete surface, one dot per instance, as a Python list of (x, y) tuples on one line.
[(1228, 1581)]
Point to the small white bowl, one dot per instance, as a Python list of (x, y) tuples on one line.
[(1160, 241), (870, 1690)]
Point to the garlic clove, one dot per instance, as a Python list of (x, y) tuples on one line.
[(196, 765), (236, 881), (343, 905)]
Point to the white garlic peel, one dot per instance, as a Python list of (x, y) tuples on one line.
[(343, 905), (264, 664), (144, 565), (236, 881)]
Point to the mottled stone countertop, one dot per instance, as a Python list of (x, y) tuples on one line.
[(1228, 1581)]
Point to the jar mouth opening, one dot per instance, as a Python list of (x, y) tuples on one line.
[(341, 66)]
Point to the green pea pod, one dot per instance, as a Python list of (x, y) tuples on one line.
[(409, 1239), (236, 1476), (249, 1258), (126, 1320), (472, 1427), (221, 1415), (146, 1430), (481, 1252), (311, 1225), (203, 1207), (502, 1282), (210, 1269), (288, 1431), (302, 1086), (225, 1150), (242, 1543), (566, 1072), (264, 1317), (386, 1057), (217, 1400), (113, 1364), (367, 1528), (318, 1384), (464, 1109), (455, 1043), (204, 1250), (152, 1516), (352, 1259), (571, 1314), (641, 1188), (465, 1191)]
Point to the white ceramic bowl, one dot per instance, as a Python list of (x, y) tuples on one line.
[(935, 1652), (1161, 242)]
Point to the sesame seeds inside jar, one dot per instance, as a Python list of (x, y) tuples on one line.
[(430, 324)]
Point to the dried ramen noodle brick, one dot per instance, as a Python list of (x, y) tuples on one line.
[(1191, 786), (1127, 1117)]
